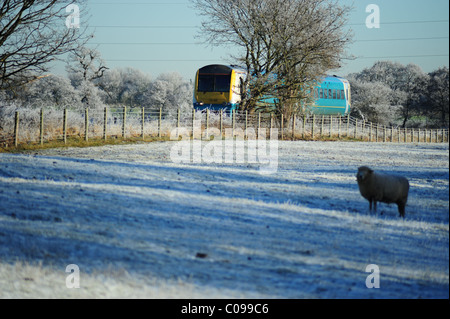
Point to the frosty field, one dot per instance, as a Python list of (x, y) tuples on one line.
[(139, 225)]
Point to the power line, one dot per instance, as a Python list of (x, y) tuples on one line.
[(138, 3), (145, 26), (403, 22), (193, 27), (402, 39), (215, 60), (145, 43), (403, 56), (160, 60), (200, 43)]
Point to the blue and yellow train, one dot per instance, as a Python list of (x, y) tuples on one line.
[(219, 87)]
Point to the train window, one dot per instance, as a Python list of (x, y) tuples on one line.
[(205, 83), (335, 94), (342, 95), (321, 93), (330, 93), (222, 83)]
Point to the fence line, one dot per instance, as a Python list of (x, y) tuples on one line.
[(143, 123)]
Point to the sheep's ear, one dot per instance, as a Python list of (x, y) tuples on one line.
[(370, 171)]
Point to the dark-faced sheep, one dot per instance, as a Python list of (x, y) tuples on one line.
[(377, 187)]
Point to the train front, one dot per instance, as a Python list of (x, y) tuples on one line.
[(213, 88)]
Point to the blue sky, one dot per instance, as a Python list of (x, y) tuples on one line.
[(158, 36)]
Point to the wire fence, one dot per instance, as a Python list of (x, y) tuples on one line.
[(42, 126)]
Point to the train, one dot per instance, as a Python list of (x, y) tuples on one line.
[(219, 87)]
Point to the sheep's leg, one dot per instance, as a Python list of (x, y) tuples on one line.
[(401, 209), (370, 205)]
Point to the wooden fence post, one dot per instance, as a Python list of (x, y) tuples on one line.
[(363, 130), (207, 124), (259, 123), (143, 123), (348, 124), (193, 123), (339, 126), (41, 127), (321, 126), (304, 126), (178, 123), (65, 126), (221, 123), (246, 125), (16, 129), (86, 124), (282, 126), (124, 121), (233, 114), (331, 125), (293, 126), (159, 122), (313, 124), (105, 123)]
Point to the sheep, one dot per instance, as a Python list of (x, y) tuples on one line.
[(377, 187)]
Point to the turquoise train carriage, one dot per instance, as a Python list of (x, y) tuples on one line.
[(332, 96), (219, 87)]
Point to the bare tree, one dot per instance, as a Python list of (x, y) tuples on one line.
[(85, 69), (286, 45), (87, 65), (32, 34)]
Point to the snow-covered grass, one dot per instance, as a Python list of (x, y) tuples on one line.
[(139, 225)]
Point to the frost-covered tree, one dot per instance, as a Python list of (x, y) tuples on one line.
[(408, 85), (134, 88), (374, 102), (386, 72), (170, 92), (414, 85), (110, 85), (127, 86), (438, 97), (86, 67), (50, 91)]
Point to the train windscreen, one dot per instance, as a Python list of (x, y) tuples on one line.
[(214, 82), (214, 78)]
